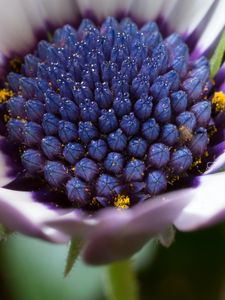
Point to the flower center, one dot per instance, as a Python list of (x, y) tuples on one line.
[(110, 115)]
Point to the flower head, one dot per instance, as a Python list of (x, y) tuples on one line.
[(104, 118)]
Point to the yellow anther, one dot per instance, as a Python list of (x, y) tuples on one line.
[(185, 134), (122, 202), (5, 94), (219, 101)]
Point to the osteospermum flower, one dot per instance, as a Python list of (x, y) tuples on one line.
[(111, 128)]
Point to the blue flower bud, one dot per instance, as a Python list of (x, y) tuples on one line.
[(27, 87), (143, 107), (51, 147), (77, 191), (150, 130), (117, 140), (137, 147), (129, 68), (107, 121), (122, 105), (163, 111), (87, 131), (15, 130), (34, 110), (55, 173), (114, 162), (186, 119), (69, 110), (43, 50), (193, 87), (179, 101), (30, 65), (156, 182), (97, 149), (72, 152), (32, 161), (14, 81), (199, 142), (107, 186), (134, 170), (89, 111), (158, 155), (181, 160), (202, 111), (50, 124), (52, 102), (67, 131), (16, 107), (86, 169), (33, 133), (103, 95), (130, 124), (140, 85), (169, 134)]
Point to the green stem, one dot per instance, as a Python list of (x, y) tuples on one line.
[(120, 281)]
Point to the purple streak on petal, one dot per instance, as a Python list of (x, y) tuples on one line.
[(192, 38), (219, 79), (207, 206)]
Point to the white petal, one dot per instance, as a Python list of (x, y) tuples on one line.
[(213, 28), (146, 10), (207, 206), (18, 211), (18, 20), (102, 9), (187, 14), (58, 12)]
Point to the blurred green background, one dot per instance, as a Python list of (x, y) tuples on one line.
[(192, 268)]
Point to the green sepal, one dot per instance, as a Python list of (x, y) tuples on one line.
[(120, 282), (4, 232), (167, 237), (74, 251), (217, 57)]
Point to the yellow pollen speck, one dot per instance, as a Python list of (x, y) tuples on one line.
[(122, 202), (219, 101), (197, 162), (5, 94)]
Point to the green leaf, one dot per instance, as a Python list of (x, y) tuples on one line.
[(74, 251), (217, 57), (120, 282)]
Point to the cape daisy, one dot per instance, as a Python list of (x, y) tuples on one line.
[(111, 128)]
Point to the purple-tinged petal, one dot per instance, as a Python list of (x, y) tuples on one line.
[(217, 164), (212, 30), (186, 15), (207, 205), (118, 234), (19, 211), (219, 79), (146, 10), (101, 9), (57, 12), (17, 31)]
